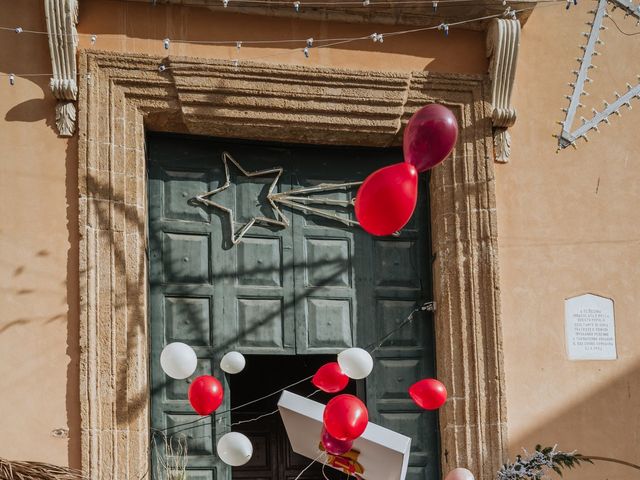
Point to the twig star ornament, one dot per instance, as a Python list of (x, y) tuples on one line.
[(236, 235), (297, 199)]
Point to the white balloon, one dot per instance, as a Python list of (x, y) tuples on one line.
[(355, 363), (459, 474), (233, 362), (234, 449), (178, 360)]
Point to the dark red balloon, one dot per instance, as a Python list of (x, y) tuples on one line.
[(429, 136), (429, 393), (387, 198), (334, 446), (345, 417), (205, 394), (329, 378)]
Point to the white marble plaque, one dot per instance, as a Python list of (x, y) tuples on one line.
[(590, 328)]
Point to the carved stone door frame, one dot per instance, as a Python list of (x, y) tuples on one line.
[(121, 96)]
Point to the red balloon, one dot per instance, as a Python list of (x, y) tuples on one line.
[(387, 198), (429, 393), (329, 378), (429, 136), (345, 417), (205, 394), (333, 445)]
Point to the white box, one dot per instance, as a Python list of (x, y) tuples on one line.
[(379, 454)]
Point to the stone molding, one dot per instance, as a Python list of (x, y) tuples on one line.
[(124, 95), (62, 18), (503, 43)]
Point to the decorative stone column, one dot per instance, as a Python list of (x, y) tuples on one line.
[(503, 42), (62, 18)]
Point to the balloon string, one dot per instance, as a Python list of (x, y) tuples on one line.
[(249, 420), (324, 464), (309, 466), (377, 344), (234, 408)]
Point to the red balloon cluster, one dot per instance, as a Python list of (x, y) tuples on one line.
[(428, 393), (345, 417), (387, 198), (205, 394), (329, 378)]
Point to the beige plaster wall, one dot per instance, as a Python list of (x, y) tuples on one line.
[(38, 254), (567, 222)]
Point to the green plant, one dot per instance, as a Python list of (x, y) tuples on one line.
[(534, 466)]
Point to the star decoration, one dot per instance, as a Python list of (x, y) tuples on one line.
[(236, 235)]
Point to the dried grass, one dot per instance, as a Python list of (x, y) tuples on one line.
[(13, 470)]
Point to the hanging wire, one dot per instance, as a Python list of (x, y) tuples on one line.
[(332, 42)]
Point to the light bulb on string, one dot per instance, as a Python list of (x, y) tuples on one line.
[(166, 42), (235, 63), (306, 52), (162, 68), (94, 39), (12, 79), (18, 30), (225, 3), (445, 28), (435, 6), (377, 37), (238, 45), (365, 3), (296, 6)]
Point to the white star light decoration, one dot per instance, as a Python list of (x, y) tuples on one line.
[(236, 235), (291, 198), (570, 134)]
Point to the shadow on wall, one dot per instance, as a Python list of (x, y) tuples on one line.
[(33, 110), (604, 423)]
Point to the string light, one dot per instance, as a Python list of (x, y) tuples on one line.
[(365, 3), (225, 3), (238, 45), (94, 39), (575, 2), (377, 37), (296, 6), (326, 42), (12, 79), (18, 30), (435, 6)]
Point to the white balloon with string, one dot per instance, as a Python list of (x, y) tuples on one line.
[(233, 362), (234, 449), (459, 474), (178, 360), (355, 363)]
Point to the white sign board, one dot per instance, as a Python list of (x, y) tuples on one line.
[(590, 328), (379, 454)]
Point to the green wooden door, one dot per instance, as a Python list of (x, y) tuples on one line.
[(315, 287)]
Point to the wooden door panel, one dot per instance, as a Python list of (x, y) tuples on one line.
[(188, 320), (315, 287)]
